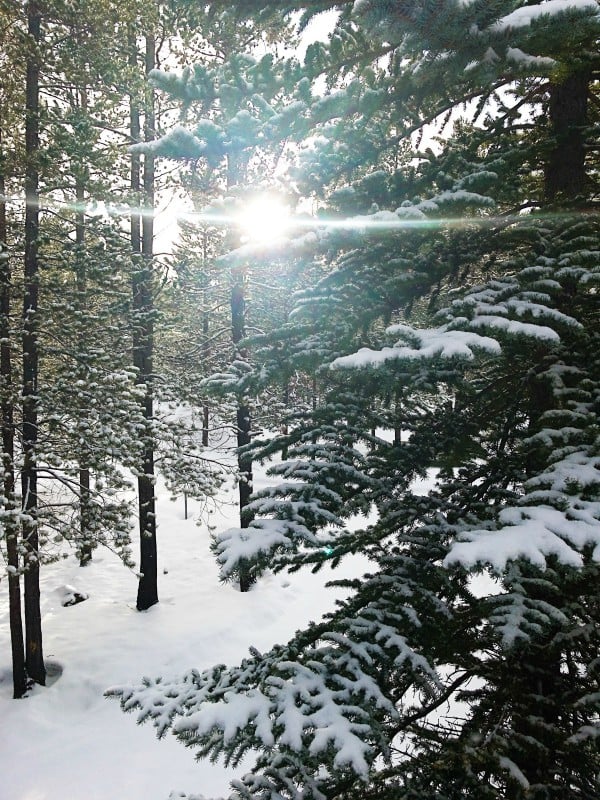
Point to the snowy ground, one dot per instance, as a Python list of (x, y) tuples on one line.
[(67, 741)]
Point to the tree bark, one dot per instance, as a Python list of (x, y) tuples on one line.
[(205, 332), (205, 424), (34, 657), (86, 546), (143, 347), (11, 526), (565, 176), (243, 417), (565, 182)]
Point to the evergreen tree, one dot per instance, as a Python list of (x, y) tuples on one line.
[(77, 403), (9, 512), (89, 406), (460, 306), (89, 403), (236, 98), (77, 417), (142, 247), (34, 658)]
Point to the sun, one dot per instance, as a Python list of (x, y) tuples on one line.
[(264, 219)]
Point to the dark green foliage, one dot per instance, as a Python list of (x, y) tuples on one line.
[(453, 332)]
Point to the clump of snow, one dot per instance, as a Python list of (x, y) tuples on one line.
[(518, 56), (524, 16), (515, 772), (430, 343), (237, 544), (70, 596), (515, 327), (184, 796), (530, 532)]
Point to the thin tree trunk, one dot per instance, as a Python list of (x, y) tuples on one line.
[(314, 403), (143, 355), (398, 423), (243, 417), (135, 182), (285, 429), (86, 546), (205, 332), (11, 526), (34, 657), (565, 179), (205, 423)]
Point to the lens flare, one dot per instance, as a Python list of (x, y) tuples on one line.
[(264, 219)]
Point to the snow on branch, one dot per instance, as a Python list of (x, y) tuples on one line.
[(442, 342), (300, 705), (160, 700), (533, 533), (574, 469), (237, 545), (515, 327), (517, 56), (523, 17), (324, 483), (317, 701), (517, 616)]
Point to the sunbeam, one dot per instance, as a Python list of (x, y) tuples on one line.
[(266, 219)]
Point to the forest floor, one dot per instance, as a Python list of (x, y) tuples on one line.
[(67, 741)]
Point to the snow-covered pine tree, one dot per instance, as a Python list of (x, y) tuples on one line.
[(178, 454), (194, 325), (193, 345), (89, 403), (60, 157), (463, 309), (233, 100)]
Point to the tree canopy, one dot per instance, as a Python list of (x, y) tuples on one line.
[(452, 154), (436, 314)]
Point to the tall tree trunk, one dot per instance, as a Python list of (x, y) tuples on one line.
[(243, 417), (11, 526), (565, 176), (205, 332), (34, 657), (86, 546), (285, 428), (565, 180), (142, 358)]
